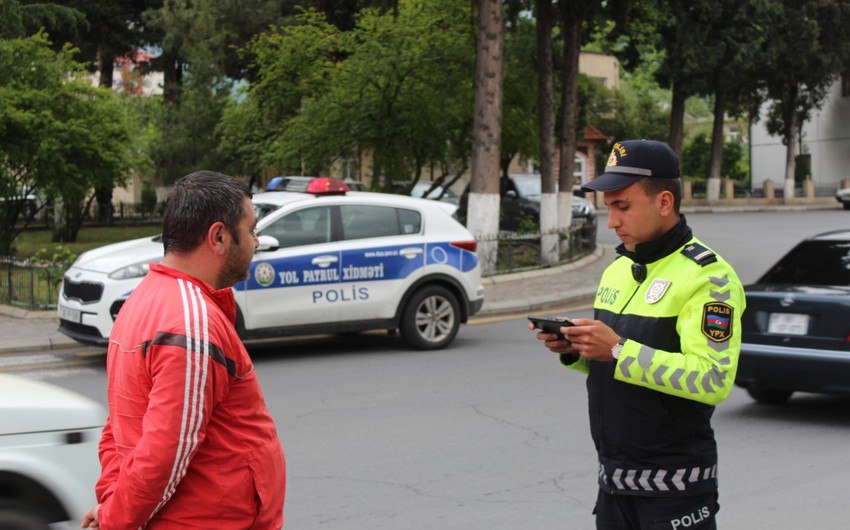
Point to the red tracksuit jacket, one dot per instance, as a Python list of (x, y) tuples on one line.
[(189, 442)]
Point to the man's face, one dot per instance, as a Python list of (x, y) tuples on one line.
[(239, 255), (634, 216)]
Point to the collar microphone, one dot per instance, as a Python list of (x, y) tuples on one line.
[(639, 272)]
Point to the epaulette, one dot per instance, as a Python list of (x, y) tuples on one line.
[(699, 253)]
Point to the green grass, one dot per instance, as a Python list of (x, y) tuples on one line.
[(31, 241)]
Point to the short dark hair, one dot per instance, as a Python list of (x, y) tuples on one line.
[(655, 185), (195, 203)]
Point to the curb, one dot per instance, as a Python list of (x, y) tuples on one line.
[(42, 344), (17, 312), (541, 302)]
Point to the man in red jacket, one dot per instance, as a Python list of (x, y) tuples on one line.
[(189, 442)]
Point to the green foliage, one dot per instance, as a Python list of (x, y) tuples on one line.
[(19, 19), (58, 134), (148, 199), (696, 158), (57, 254), (399, 86), (519, 108)]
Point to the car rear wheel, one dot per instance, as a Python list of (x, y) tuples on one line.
[(769, 396), (431, 319), (846, 205)]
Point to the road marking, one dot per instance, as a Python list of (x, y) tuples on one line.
[(58, 363), (28, 359), (54, 374), (501, 318)]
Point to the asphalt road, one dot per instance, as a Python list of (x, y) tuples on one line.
[(492, 432)]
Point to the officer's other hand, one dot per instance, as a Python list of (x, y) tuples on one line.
[(591, 338), (551, 341)]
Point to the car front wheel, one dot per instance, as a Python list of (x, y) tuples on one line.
[(846, 205), (431, 318)]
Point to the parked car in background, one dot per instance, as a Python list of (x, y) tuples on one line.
[(356, 185), (29, 201), (843, 196), (520, 205), (292, 183), (329, 260), (421, 188), (796, 329), (48, 454)]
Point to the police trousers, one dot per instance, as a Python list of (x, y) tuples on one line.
[(629, 512)]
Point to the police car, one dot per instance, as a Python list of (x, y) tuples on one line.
[(329, 260)]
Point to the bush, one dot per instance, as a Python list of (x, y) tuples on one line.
[(148, 200)]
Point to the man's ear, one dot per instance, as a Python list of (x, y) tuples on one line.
[(217, 238), (665, 202)]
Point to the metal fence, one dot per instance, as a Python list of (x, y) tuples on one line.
[(521, 251), (120, 213), (30, 285)]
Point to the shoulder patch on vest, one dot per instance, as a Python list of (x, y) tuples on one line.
[(699, 253), (717, 321)]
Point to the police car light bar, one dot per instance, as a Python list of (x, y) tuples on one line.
[(465, 245), (327, 186)]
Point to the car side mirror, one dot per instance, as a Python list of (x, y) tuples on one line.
[(511, 194), (267, 243)]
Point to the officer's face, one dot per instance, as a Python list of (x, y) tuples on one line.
[(634, 216)]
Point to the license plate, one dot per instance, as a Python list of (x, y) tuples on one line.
[(788, 324), (72, 315)]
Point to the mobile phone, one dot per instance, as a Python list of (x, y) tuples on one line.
[(551, 324)]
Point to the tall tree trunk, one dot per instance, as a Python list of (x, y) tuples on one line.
[(172, 78), (716, 161), (791, 132), (483, 208), (546, 133), (677, 120), (571, 30), (106, 65)]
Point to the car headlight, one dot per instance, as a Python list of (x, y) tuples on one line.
[(136, 270)]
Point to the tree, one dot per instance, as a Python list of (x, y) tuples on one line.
[(20, 19), (396, 88), (578, 22), (200, 60), (487, 133), (549, 238), (808, 47), (58, 134)]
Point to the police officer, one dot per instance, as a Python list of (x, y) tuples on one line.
[(660, 352)]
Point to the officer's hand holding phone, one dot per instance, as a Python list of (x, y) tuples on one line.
[(549, 328)]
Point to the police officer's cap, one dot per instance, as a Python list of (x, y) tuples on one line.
[(631, 160)]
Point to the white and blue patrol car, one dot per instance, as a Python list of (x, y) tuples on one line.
[(329, 260)]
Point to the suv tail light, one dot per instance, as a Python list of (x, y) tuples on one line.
[(465, 245)]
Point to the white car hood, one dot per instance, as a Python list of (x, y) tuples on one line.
[(113, 257), (32, 406)]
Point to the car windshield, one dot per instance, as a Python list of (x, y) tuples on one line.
[(527, 187), (262, 210), (814, 262), (421, 187)]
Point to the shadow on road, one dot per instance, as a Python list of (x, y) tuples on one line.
[(802, 408)]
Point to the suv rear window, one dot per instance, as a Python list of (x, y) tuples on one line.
[(813, 263)]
